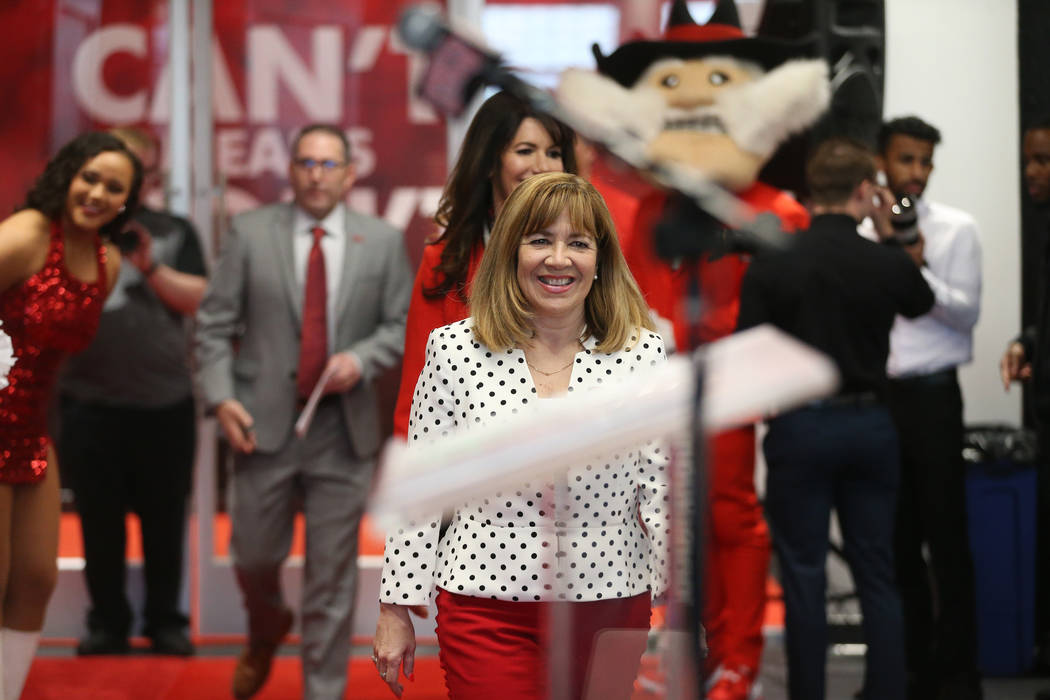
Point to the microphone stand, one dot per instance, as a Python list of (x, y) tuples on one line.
[(681, 238)]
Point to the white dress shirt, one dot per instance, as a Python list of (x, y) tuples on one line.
[(333, 244), (943, 338), (606, 537)]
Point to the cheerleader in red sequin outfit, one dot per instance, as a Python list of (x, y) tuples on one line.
[(55, 273)]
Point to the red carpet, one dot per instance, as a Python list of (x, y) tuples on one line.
[(142, 677), (148, 678)]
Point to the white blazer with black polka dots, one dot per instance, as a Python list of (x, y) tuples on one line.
[(517, 545)]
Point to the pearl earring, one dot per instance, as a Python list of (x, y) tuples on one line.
[(122, 208)]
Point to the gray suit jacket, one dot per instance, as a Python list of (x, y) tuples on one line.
[(253, 301)]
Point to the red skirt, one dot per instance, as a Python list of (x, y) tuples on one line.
[(514, 650)]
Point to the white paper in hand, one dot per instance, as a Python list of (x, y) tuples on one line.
[(302, 424)]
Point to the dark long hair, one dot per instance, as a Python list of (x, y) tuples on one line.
[(51, 189), (466, 203)]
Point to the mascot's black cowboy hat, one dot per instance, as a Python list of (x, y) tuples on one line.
[(686, 39)]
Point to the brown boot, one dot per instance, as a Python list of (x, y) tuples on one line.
[(253, 666)]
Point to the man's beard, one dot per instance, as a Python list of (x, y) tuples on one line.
[(900, 191)]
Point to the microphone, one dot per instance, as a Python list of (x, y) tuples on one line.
[(458, 67), (421, 28)]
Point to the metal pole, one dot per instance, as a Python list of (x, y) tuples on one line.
[(203, 127), (179, 125), (201, 203)]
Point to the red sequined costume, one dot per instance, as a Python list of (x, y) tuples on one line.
[(50, 315)]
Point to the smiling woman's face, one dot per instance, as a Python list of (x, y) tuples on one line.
[(556, 267), (532, 151), (98, 190)]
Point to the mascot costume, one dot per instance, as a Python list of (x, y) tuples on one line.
[(708, 97)]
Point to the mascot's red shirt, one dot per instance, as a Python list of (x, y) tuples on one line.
[(664, 286)]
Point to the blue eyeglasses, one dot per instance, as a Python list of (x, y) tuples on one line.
[(327, 165)]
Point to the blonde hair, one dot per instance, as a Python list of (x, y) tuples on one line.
[(614, 309)]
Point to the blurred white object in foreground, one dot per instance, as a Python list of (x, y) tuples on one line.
[(759, 373), (748, 375), (7, 357)]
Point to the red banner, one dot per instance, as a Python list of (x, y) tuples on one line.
[(73, 65)]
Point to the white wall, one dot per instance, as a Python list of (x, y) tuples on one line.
[(954, 63)]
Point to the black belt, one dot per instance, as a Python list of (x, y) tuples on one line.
[(856, 400), (941, 377)]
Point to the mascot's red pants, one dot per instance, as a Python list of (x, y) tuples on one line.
[(738, 549)]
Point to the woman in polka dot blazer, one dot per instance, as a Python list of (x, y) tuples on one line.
[(554, 310)]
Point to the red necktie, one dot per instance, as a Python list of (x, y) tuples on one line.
[(313, 341)]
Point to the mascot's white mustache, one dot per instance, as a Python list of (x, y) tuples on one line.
[(757, 115), (762, 114)]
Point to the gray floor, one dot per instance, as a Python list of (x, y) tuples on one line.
[(846, 671)]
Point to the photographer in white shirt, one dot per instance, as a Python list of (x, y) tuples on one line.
[(926, 402)]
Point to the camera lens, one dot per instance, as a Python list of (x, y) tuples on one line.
[(905, 219), (127, 241)]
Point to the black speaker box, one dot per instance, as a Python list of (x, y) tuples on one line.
[(850, 36)]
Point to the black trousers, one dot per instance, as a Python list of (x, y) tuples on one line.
[(842, 458), (138, 459), (1042, 552), (939, 601)]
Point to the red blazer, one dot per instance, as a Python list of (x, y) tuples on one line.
[(424, 315), (664, 287)]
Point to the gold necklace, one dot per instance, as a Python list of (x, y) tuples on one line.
[(557, 371), (550, 374)]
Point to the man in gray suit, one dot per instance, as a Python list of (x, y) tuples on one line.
[(307, 291)]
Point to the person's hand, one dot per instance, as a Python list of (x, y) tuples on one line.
[(881, 212), (1014, 367), (142, 256), (346, 373), (394, 646), (236, 424), (917, 250)]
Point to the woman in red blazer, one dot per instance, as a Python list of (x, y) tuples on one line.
[(507, 142)]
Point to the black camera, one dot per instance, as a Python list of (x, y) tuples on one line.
[(904, 216), (127, 240)]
